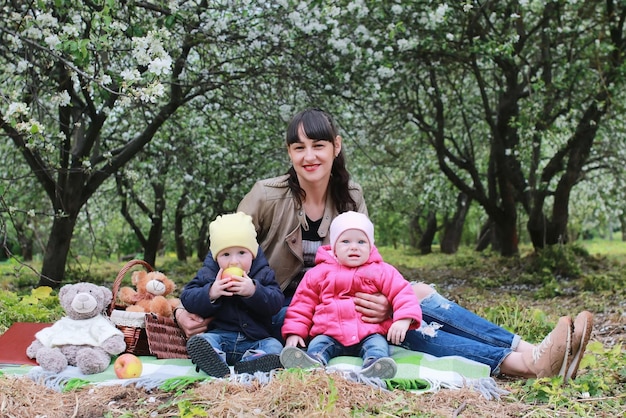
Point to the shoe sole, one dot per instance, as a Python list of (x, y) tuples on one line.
[(572, 369), (293, 357), (205, 358), (383, 368), (265, 363), (568, 347)]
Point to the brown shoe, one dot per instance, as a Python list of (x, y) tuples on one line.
[(580, 337), (550, 357)]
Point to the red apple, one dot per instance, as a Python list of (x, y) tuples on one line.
[(127, 366), (232, 271)]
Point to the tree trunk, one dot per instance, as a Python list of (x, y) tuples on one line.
[(453, 230), (426, 242), (179, 217), (202, 242), (153, 243), (506, 236), (485, 236), (57, 249)]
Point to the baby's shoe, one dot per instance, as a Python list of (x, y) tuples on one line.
[(258, 363), (550, 357), (383, 368), (205, 358), (293, 357)]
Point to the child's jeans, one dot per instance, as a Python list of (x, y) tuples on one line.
[(235, 346), (373, 347)]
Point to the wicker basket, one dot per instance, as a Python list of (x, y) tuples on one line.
[(146, 333)]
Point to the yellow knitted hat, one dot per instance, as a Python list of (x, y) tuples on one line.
[(232, 230)]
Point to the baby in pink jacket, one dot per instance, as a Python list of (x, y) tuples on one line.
[(323, 309)]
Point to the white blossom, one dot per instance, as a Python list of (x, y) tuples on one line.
[(62, 98), (17, 108), (440, 13), (161, 66), (47, 20), (131, 75), (52, 41), (385, 72)]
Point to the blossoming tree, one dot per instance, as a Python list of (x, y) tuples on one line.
[(86, 85)]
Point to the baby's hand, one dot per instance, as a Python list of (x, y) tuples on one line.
[(294, 341), (220, 287), (397, 330), (242, 285)]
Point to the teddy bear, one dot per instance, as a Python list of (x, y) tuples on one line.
[(150, 296), (84, 337)]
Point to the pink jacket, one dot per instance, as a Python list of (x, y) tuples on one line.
[(323, 302)]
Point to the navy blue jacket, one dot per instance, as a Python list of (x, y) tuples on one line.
[(250, 315)]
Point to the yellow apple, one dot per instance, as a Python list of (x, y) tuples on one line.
[(127, 366), (232, 271)]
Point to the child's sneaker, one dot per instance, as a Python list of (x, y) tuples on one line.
[(550, 357), (580, 337), (258, 363), (293, 357), (383, 368), (205, 358)]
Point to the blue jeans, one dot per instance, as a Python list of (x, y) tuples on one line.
[(373, 347), (233, 346), (449, 330)]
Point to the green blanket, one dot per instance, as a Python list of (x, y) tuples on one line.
[(417, 372)]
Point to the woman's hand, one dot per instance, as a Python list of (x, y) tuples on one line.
[(374, 308), (190, 323)]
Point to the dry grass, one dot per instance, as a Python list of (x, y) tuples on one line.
[(321, 394)]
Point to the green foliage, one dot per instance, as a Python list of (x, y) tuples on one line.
[(605, 381), (559, 261), (41, 305), (188, 410), (511, 314)]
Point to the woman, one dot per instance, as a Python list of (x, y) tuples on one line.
[(292, 214)]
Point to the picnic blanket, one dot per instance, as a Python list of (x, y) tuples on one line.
[(417, 372)]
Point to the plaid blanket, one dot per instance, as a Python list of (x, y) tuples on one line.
[(417, 372)]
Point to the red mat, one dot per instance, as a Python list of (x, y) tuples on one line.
[(16, 339)]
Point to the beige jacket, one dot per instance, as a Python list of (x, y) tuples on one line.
[(278, 220)]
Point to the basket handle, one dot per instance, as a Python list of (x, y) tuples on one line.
[(120, 276)]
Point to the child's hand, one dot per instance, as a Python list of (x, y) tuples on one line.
[(241, 285), (294, 341), (397, 330), (220, 287)]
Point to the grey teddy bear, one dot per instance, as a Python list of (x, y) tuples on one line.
[(84, 337)]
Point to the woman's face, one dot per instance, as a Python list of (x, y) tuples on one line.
[(313, 159)]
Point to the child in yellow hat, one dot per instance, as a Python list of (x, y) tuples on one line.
[(238, 289)]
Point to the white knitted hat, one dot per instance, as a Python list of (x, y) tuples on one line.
[(351, 220), (232, 230)]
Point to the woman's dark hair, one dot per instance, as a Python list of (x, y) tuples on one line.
[(319, 125)]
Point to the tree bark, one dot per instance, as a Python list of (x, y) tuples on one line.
[(453, 229), (202, 242), (179, 217), (426, 241), (57, 249)]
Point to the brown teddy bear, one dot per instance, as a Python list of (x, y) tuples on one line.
[(84, 337), (150, 296)]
